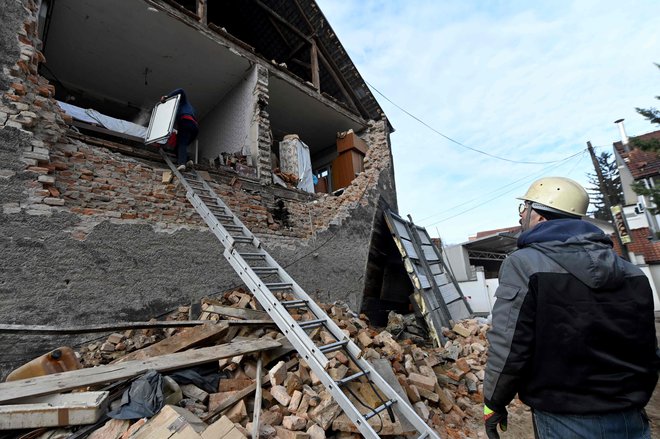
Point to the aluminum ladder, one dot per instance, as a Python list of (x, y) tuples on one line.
[(252, 263)]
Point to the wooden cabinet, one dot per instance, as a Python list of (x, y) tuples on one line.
[(350, 161)]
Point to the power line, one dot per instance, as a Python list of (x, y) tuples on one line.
[(502, 187), (556, 165), (456, 141)]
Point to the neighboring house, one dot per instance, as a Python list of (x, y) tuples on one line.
[(637, 166), (89, 231)]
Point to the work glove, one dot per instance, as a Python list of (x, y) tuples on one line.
[(492, 420)]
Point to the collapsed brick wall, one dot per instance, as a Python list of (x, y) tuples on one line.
[(89, 235)]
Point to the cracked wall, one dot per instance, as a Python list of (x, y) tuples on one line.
[(89, 235)]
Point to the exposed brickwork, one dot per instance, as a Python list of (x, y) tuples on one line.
[(28, 106), (98, 185), (331, 210), (264, 137)]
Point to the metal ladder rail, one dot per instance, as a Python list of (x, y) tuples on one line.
[(283, 319), (229, 240), (302, 342)]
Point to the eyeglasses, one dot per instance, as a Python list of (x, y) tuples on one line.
[(522, 206)]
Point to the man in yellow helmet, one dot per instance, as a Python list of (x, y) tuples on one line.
[(573, 326)]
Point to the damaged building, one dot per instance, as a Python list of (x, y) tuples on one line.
[(91, 232)]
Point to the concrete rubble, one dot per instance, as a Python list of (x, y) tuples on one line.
[(444, 385)]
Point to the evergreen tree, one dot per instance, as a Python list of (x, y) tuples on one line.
[(612, 187), (652, 145)]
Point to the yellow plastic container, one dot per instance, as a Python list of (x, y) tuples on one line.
[(59, 360)]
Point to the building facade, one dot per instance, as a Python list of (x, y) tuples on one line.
[(90, 232)]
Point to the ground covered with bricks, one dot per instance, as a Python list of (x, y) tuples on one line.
[(443, 384)]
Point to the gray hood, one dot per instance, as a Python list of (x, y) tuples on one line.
[(588, 258)]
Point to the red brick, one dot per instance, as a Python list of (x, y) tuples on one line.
[(19, 89)]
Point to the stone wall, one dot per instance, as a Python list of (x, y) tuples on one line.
[(89, 235)]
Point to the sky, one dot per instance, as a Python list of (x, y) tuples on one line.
[(520, 80)]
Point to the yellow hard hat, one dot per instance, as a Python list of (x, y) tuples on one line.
[(559, 194)]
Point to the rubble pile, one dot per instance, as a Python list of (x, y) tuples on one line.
[(443, 384)]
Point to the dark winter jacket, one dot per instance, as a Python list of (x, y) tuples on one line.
[(573, 325), (185, 108)]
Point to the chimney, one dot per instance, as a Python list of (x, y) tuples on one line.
[(624, 136)]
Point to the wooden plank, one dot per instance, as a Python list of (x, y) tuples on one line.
[(171, 422), (314, 57), (257, 400), (64, 381), (54, 410), (274, 354), (110, 327), (239, 313), (179, 341)]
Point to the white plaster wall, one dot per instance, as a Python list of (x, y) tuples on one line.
[(477, 292), (491, 286), (629, 196), (231, 125), (457, 258), (635, 220)]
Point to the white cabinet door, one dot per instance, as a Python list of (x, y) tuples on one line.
[(162, 120)]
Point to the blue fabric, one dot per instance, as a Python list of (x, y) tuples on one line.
[(630, 424), (143, 399), (185, 108), (559, 230), (186, 133)]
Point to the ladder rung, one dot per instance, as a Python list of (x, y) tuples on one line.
[(242, 238), (278, 286), (312, 323), (266, 270), (224, 217), (379, 409), (355, 376), (294, 303), (333, 346), (232, 227), (252, 255), (424, 435)]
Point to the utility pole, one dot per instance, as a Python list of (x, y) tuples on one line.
[(606, 201)]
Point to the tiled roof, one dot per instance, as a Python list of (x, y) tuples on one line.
[(641, 164)]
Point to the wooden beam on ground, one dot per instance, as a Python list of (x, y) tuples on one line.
[(65, 381), (257, 400), (54, 410), (179, 342), (239, 313), (109, 327)]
